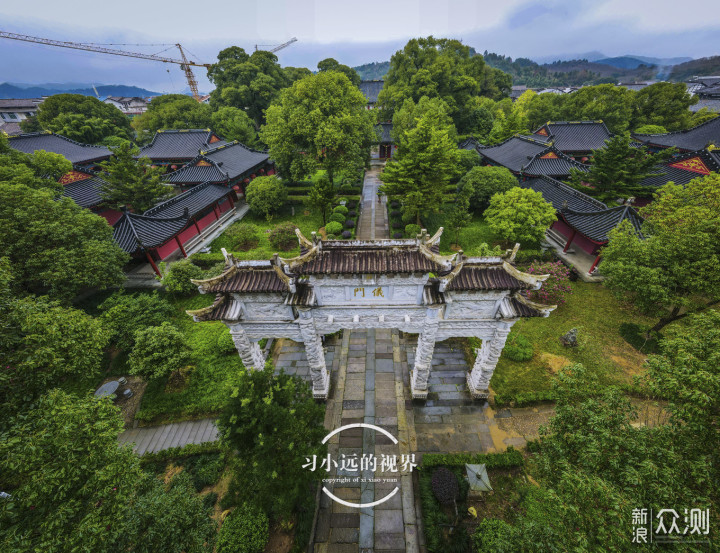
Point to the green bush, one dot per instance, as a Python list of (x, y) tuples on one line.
[(266, 195), (337, 217), (124, 314), (635, 335), (518, 348), (509, 458), (412, 230), (341, 209), (334, 227), (177, 279), (225, 344), (283, 236), (207, 260), (331, 237), (490, 535), (245, 530), (528, 256), (204, 470), (159, 351), (209, 500), (243, 236)]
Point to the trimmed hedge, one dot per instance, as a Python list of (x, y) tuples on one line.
[(341, 209), (528, 256), (207, 260), (180, 452), (522, 400), (510, 458), (337, 217)]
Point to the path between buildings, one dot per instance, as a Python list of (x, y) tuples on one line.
[(152, 439)]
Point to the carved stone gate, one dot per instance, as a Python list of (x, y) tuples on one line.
[(354, 284)]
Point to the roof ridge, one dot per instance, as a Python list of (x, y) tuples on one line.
[(230, 144), (179, 197), (46, 133), (573, 191), (713, 120)]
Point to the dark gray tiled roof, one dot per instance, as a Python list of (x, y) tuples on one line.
[(679, 169), (575, 136), (713, 104), (75, 152), (712, 91), (219, 165), (194, 200), (348, 260), (133, 232), (559, 166), (250, 280), (30, 104), (485, 278), (11, 129), (385, 132), (596, 225), (523, 154), (371, 89), (85, 192), (562, 196), (696, 138), (180, 145)]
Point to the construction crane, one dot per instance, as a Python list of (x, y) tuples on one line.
[(275, 48), (184, 63)]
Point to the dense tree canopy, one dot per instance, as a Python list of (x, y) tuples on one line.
[(83, 118), (520, 215), (665, 104), (40, 169), (266, 195), (131, 182), (618, 169), (172, 111), (406, 118), (320, 120), (672, 271), (443, 68), (234, 124), (484, 182), (331, 64), (247, 82)]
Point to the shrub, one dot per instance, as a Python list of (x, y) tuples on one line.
[(330, 237), (245, 530), (266, 195), (352, 213), (159, 351), (346, 187), (225, 344), (635, 335), (349, 223), (527, 256), (204, 470), (209, 500), (396, 224), (177, 279), (333, 228), (556, 287), (398, 235), (483, 182), (394, 204), (519, 215), (124, 314), (491, 535), (243, 236), (395, 214), (337, 217), (347, 234), (352, 204), (283, 237), (518, 348), (412, 230), (341, 209)]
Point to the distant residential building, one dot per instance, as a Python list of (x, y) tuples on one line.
[(130, 106), (205, 99), (11, 129), (517, 90), (371, 90), (16, 110)]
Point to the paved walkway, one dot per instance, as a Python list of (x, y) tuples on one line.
[(151, 439)]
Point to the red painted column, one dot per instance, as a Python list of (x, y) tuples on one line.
[(197, 228), (572, 237), (597, 260), (177, 239), (215, 211), (152, 264), (232, 202)]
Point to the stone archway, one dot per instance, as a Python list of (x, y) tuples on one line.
[(362, 284)]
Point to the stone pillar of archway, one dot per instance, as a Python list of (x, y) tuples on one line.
[(315, 354), (249, 351), (424, 353), (478, 380)]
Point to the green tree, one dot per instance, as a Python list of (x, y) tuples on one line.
[(125, 314), (543, 108), (30, 124), (55, 246), (274, 424), (331, 64), (83, 118), (478, 117), (176, 279), (443, 68), (40, 169), (266, 195), (484, 182), (234, 124), (172, 111), (321, 195), (515, 122), (69, 482), (650, 129), (607, 102), (425, 163), (166, 517), (701, 116), (459, 214), (406, 118), (159, 351), (247, 82), (665, 104), (245, 530), (672, 271), (319, 121), (44, 344), (131, 182), (618, 170), (296, 73), (520, 215)]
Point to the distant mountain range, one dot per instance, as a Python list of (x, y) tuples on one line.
[(704, 67), (24, 90)]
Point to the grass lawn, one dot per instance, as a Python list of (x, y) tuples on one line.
[(597, 314)]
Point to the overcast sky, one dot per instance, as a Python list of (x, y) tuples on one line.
[(353, 32)]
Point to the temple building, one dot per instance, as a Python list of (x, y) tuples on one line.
[(82, 155), (698, 138), (233, 165), (169, 226), (404, 284), (583, 222), (681, 170), (576, 139), (175, 148), (385, 141), (526, 156), (371, 90), (84, 188)]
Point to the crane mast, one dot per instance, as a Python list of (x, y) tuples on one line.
[(184, 63)]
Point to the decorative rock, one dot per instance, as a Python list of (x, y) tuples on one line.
[(569, 339)]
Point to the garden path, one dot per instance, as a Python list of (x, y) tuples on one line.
[(151, 439)]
